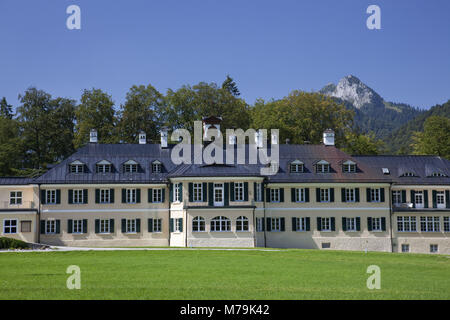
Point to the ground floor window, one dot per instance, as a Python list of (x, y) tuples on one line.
[(198, 224), (326, 224), (50, 226), (275, 224), (376, 224), (351, 224), (157, 225), (405, 247), (220, 224), (259, 224), (77, 226), (429, 224), (105, 226), (9, 226), (242, 224), (446, 224), (406, 224), (300, 224), (25, 226), (131, 226), (433, 248)]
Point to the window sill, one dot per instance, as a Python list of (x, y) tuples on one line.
[(131, 232)]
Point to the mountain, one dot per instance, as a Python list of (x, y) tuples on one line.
[(372, 112)]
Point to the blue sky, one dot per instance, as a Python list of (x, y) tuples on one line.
[(268, 47)]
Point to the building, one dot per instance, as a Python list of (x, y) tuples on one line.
[(134, 195)]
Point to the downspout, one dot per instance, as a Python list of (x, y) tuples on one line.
[(254, 227), (390, 216), (38, 222), (264, 210)]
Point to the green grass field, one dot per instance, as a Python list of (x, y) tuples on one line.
[(204, 274)]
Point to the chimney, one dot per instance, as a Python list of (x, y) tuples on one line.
[(93, 136), (142, 137), (164, 137), (328, 137), (288, 140)]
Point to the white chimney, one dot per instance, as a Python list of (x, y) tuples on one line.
[(93, 136), (328, 137), (142, 137), (164, 137)]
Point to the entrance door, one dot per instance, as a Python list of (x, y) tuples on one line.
[(218, 194)]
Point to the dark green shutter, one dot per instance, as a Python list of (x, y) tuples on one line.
[(317, 194), (293, 195), (58, 226), (263, 224), (43, 198), (319, 223), (425, 197), (163, 195), (413, 193), (170, 192), (70, 196), (368, 195), (191, 192), (180, 186), (331, 194), (333, 224), (447, 198), (383, 224), (42, 226), (357, 194), (343, 195), (85, 196), (268, 195), (434, 196), (282, 224), (294, 224), (150, 225), (58, 196), (124, 225), (281, 194), (232, 198), (245, 191), (255, 197), (69, 226), (308, 224), (181, 224), (306, 194), (111, 195), (138, 225), (344, 224), (210, 193), (150, 195), (269, 224), (138, 195), (111, 225), (226, 194), (97, 225), (358, 224), (171, 224), (85, 225), (369, 223), (124, 195), (381, 194), (262, 192), (97, 195), (403, 196)]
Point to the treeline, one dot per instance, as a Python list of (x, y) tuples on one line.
[(43, 130)]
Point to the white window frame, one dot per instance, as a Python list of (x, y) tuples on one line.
[(351, 224), (156, 167), (176, 192), (376, 224), (325, 221), (77, 196), (103, 168), (105, 195), (322, 167), (258, 192), (197, 190), (131, 195), (397, 197), (296, 167), (350, 194), (446, 224), (238, 191), (275, 224), (105, 226), (130, 226), (440, 199), (419, 195), (10, 226), (242, 224), (430, 224), (275, 195), (76, 168), (349, 167), (130, 167), (50, 196), (375, 195), (157, 225), (77, 226), (50, 226), (220, 224), (300, 195), (157, 195), (300, 224), (177, 225), (406, 224), (15, 198), (324, 195), (259, 224)]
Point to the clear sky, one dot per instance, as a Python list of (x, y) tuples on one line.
[(268, 47)]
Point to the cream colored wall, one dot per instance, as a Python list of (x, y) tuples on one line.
[(429, 188), (20, 216), (30, 198)]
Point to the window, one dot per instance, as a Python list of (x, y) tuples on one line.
[(156, 167), (50, 196), (299, 195), (157, 225), (438, 174), (198, 224), (406, 224), (349, 167), (351, 224), (105, 195), (239, 191), (131, 196), (25, 226), (50, 226), (408, 174), (375, 195), (9, 226), (429, 224), (105, 226), (324, 195), (76, 168), (418, 199), (350, 195), (78, 196), (440, 199), (130, 226), (376, 224), (77, 226), (198, 192), (157, 195), (177, 192), (326, 224), (242, 224), (274, 195), (275, 224), (322, 167), (220, 224), (300, 224), (259, 224), (296, 166), (258, 192), (15, 197), (397, 197), (130, 167), (103, 167), (446, 224), (405, 247), (177, 225), (326, 245), (433, 248)]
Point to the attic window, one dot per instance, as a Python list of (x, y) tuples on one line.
[(322, 166), (130, 166), (386, 171), (408, 174), (156, 167), (103, 166), (76, 167), (438, 174), (349, 167), (296, 166)]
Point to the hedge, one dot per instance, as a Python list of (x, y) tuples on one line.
[(8, 243)]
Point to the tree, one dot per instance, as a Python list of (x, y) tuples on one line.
[(231, 86), (435, 138), (5, 109), (362, 144), (96, 111), (141, 111), (303, 116), (10, 146)]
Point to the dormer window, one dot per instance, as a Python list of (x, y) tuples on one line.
[(156, 167), (296, 166), (76, 167), (130, 166), (349, 167), (103, 166), (408, 174), (437, 174), (322, 167)]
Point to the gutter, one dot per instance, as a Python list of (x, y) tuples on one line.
[(38, 222), (263, 191), (390, 217)]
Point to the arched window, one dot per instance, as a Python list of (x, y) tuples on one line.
[(242, 223), (198, 224), (220, 224), (156, 166)]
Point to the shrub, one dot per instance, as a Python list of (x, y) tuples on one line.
[(8, 243)]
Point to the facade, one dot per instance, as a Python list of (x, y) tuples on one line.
[(109, 195)]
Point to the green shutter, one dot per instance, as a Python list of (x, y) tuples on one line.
[(232, 191), (138, 195), (210, 193), (150, 195), (293, 196), (138, 225), (308, 224), (331, 194), (403, 196), (368, 198), (319, 223), (306, 194), (124, 225), (85, 225), (181, 224), (58, 196), (171, 192), (269, 224), (262, 192), (43, 198), (171, 225), (358, 224), (281, 194), (434, 196), (413, 193), (333, 224), (268, 194), (245, 191), (447, 198), (254, 191), (369, 223), (317, 194), (163, 195), (383, 224), (70, 196), (111, 226), (97, 195), (425, 197), (58, 226), (357, 194), (226, 194), (69, 226), (343, 195), (191, 192), (150, 225), (294, 224), (85, 196), (381, 194), (97, 225), (344, 224), (282, 224), (124, 195), (42, 226), (180, 185), (263, 223)]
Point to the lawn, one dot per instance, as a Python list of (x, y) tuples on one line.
[(205, 274)]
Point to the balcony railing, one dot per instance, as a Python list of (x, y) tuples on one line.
[(22, 205)]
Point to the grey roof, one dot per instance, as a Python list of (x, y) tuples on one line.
[(421, 166), (16, 181)]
